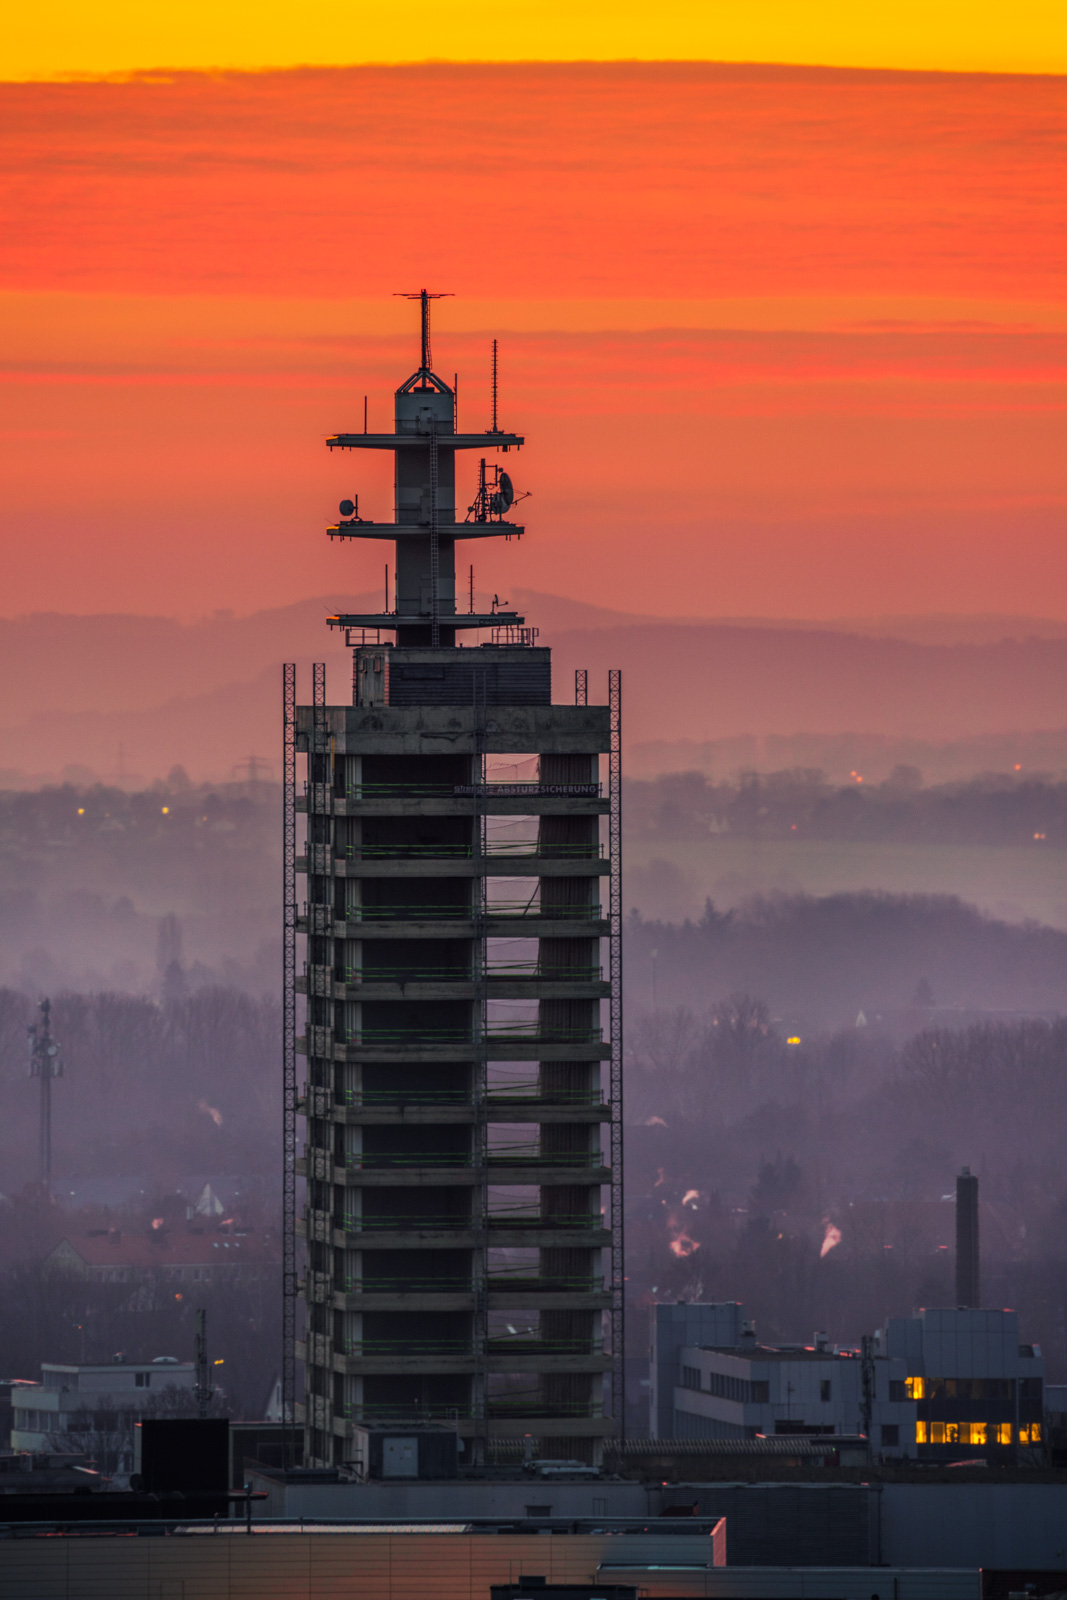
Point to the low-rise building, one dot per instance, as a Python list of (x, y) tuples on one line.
[(95, 1408), (183, 1255), (944, 1385)]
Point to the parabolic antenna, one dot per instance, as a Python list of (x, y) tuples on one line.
[(503, 496), (346, 508)]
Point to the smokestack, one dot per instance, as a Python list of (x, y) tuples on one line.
[(968, 1276)]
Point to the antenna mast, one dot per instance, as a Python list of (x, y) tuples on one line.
[(423, 296), (495, 428), (204, 1391), (45, 1064)]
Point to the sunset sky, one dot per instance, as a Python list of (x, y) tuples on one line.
[(786, 340)]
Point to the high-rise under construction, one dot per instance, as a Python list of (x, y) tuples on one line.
[(462, 1223)]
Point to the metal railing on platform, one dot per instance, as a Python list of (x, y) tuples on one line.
[(524, 1032), (527, 910)]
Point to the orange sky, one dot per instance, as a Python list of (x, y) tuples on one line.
[(784, 341)]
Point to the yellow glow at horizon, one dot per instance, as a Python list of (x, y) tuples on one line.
[(118, 37)]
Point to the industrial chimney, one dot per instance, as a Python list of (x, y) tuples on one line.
[(968, 1276)]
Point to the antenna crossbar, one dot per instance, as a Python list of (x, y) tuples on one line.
[(424, 296)]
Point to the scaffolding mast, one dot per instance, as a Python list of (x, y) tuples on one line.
[(289, 1279)]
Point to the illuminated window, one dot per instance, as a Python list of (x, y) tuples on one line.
[(1004, 1433), (1035, 1433), (920, 1433), (915, 1388), (1024, 1435), (972, 1433), (937, 1433)]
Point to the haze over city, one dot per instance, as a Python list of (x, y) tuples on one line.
[(781, 320)]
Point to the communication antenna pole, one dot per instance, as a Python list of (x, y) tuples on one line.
[(45, 1064), (204, 1391), (424, 296), (495, 428)]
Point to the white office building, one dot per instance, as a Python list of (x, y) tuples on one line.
[(944, 1385), (95, 1408)]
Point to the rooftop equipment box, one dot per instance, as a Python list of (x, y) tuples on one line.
[(399, 1451)]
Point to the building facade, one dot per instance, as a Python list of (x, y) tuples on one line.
[(462, 1223), (95, 1408), (950, 1385)]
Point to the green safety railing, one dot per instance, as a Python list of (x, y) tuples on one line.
[(408, 1159), (532, 1282), (592, 851), (416, 1413), (525, 909), (408, 1097), (521, 1345), (408, 1286), (467, 1036), (448, 791), (533, 1093), (417, 1221), (509, 971), (532, 1155), (541, 1220), (535, 1407), (523, 1032), (456, 1348), (498, 1156), (509, 1095)]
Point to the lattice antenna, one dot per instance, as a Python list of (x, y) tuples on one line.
[(495, 386), (46, 1063), (424, 296)]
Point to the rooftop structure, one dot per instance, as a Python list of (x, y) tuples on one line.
[(463, 1031), (94, 1407), (196, 1254), (942, 1386)]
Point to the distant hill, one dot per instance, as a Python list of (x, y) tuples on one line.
[(141, 694)]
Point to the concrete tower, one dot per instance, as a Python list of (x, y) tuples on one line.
[(463, 1041)]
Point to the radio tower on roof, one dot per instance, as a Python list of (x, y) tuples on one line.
[(463, 1158)]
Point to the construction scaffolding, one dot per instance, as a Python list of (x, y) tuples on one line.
[(462, 1222)]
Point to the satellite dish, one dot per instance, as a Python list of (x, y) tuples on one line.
[(505, 489), (346, 508)]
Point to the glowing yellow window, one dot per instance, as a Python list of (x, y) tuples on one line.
[(1004, 1433), (915, 1388), (1035, 1433), (979, 1433), (1024, 1435), (920, 1432), (937, 1433)]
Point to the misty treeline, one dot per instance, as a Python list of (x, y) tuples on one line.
[(802, 803), (818, 961), (174, 1092), (48, 1316), (814, 1180), (183, 1085), (87, 874)]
